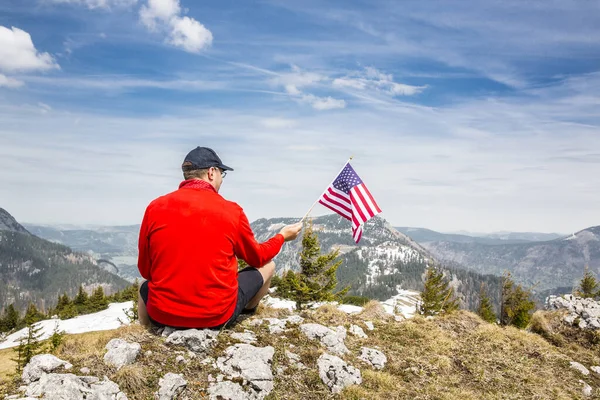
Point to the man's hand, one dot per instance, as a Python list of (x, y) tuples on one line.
[(291, 232)]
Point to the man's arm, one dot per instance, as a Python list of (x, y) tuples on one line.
[(144, 249), (258, 254)]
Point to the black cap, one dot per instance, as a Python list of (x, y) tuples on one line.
[(203, 157)]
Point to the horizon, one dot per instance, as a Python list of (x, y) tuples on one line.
[(462, 115)]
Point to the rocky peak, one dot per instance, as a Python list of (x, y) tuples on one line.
[(9, 223)]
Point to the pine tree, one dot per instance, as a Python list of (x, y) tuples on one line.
[(317, 279), (98, 301), (29, 346), (81, 301), (588, 286), (56, 338), (10, 319), (63, 301), (485, 310), (438, 296), (32, 315), (517, 305)]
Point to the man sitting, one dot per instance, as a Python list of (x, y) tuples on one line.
[(189, 244)]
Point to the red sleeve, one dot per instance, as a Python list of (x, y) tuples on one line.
[(144, 251), (248, 249)]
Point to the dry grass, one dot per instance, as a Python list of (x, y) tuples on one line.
[(373, 311), (452, 357)]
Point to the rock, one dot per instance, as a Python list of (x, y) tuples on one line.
[(121, 353), (210, 378), (570, 319), (281, 370), (276, 325), (586, 390), (247, 336), (294, 360), (207, 361), (85, 370), (369, 325), (167, 331), (180, 359), (42, 363), (596, 369), (593, 323), (254, 322), (227, 391), (357, 331), (333, 340), (69, 386), (198, 341), (580, 368), (148, 353), (250, 363), (191, 354), (374, 357), (295, 319), (336, 374), (170, 386)]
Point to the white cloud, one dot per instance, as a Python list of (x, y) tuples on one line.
[(18, 54), (44, 108), (5, 81), (182, 31), (93, 4), (323, 103), (373, 79), (295, 82)]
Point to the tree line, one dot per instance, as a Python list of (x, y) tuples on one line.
[(66, 307)]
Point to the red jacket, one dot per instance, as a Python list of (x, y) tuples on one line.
[(189, 241)]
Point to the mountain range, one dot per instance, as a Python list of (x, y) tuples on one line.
[(36, 270)]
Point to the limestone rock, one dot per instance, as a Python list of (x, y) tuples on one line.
[(121, 353), (580, 368), (294, 359), (336, 374), (586, 312), (227, 391), (247, 336), (42, 363), (358, 331), (85, 370), (595, 369), (250, 363), (333, 340), (171, 385), (198, 341), (586, 390), (369, 325), (71, 387), (179, 359), (294, 319), (276, 325), (374, 357)]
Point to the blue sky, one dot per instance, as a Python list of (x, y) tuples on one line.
[(461, 115)]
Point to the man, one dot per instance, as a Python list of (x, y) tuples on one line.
[(189, 244)]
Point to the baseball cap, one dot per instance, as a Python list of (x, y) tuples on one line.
[(203, 157)]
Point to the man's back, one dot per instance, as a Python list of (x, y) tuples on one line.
[(188, 245)]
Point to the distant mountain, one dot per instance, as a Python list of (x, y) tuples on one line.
[(8, 223), (548, 264), (422, 235), (115, 248), (384, 261), (36, 270)]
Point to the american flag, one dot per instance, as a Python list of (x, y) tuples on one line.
[(349, 197)]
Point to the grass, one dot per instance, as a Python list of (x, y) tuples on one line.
[(458, 356)]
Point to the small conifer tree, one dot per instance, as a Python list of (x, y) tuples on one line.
[(32, 315), (56, 338), (81, 301), (29, 346), (438, 296), (517, 305), (588, 286), (485, 310), (10, 319), (98, 300), (63, 302), (317, 279)]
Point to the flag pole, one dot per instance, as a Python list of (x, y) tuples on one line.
[(315, 203)]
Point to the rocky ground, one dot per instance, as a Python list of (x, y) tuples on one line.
[(320, 354)]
